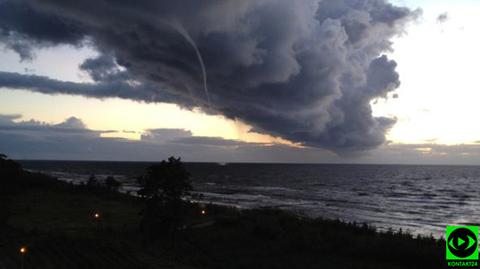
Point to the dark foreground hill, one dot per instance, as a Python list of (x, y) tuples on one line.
[(56, 222)]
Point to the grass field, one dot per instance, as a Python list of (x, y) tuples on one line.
[(54, 211), (58, 227)]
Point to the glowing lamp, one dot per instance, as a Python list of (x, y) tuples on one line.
[(23, 250), (97, 216), (203, 212)]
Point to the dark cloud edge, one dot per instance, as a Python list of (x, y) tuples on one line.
[(346, 41)]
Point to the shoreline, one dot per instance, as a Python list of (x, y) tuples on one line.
[(233, 238), (132, 188)]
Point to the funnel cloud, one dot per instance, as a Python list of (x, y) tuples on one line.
[(305, 71)]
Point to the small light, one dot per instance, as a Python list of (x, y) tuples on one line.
[(96, 216), (204, 212), (23, 250)]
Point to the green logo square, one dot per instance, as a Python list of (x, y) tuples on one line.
[(462, 243)]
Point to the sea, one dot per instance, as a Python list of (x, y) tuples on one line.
[(415, 198)]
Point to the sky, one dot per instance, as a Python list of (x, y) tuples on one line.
[(345, 81)]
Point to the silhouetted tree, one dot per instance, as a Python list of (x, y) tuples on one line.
[(92, 182), (112, 184), (163, 188)]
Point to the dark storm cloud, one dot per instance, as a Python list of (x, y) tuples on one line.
[(113, 87), (302, 70), (103, 68), (24, 27)]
